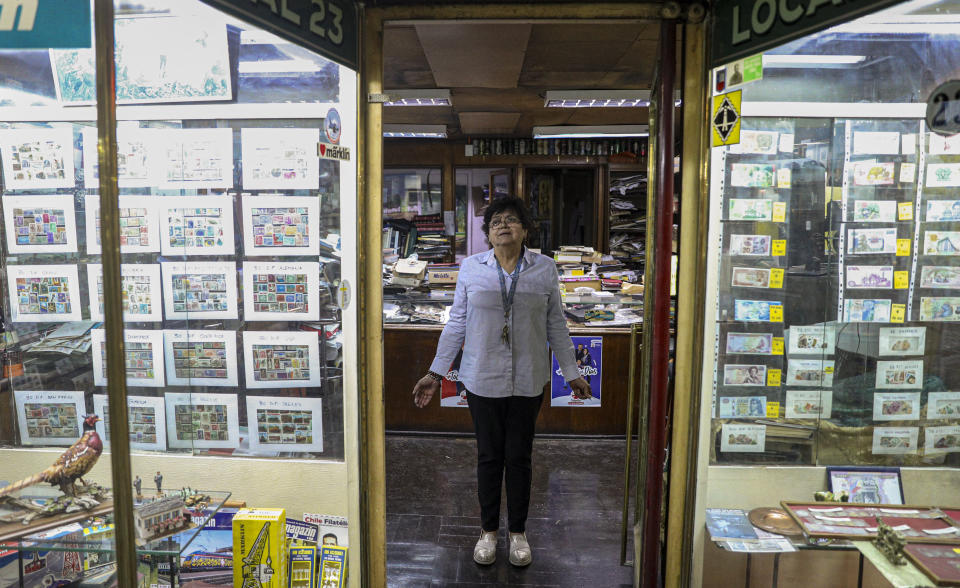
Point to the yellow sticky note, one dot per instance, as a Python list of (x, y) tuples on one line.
[(773, 377), (903, 247), (773, 409), (776, 314), (901, 280), (898, 312), (779, 247), (576, 272), (776, 278), (777, 348), (779, 212), (956, 549), (905, 211)]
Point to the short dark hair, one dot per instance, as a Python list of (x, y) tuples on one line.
[(508, 203)]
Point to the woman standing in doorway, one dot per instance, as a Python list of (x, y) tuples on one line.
[(505, 310)]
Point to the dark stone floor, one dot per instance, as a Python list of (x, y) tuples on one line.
[(573, 527)]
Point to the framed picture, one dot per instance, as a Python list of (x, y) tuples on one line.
[(278, 359), (285, 424), (200, 358), (140, 287), (867, 485), (40, 224), (281, 225), (143, 355), (200, 289), (281, 291), (49, 417), (197, 225), (44, 293), (202, 420), (147, 421), (139, 225)]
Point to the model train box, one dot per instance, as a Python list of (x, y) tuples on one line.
[(260, 548), (303, 567), (333, 567), (209, 557)]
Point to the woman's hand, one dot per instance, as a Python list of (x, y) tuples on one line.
[(424, 390), (581, 389)]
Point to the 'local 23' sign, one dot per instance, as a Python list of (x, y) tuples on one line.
[(45, 24), (329, 27), (746, 27)]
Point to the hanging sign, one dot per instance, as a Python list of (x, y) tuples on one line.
[(725, 121), (45, 24), (745, 27), (943, 108), (329, 27)]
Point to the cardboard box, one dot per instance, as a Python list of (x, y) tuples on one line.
[(410, 268), (209, 557), (333, 567), (443, 276), (303, 567), (260, 547)]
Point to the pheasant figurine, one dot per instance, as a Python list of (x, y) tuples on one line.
[(72, 465)]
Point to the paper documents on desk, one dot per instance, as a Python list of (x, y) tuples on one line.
[(73, 337), (778, 545)]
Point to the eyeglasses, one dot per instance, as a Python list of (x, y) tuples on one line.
[(503, 221)]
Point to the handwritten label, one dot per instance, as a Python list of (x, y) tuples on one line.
[(779, 212), (905, 211), (898, 312), (773, 378), (779, 247), (776, 314), (903, 247), (901, 280), (777, 348), (773, 410), (776, 278)]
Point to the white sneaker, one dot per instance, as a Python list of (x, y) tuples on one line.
[(520, 553), (485, 552)]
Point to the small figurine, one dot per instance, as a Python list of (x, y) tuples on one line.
[(137, 483), (71, 466), (158, 480)]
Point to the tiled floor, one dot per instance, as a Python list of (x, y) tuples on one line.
[(574, 523)]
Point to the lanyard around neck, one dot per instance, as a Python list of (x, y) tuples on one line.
[(514, 277)]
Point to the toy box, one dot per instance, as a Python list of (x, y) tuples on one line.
[(208, 559), (260, 548), (303, 567), (333, 567)]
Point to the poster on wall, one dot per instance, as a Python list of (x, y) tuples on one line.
[(143, 357), (285, 424), (277, 359), (44, 293), (139, 225), (199, 289), (284, 159), (136, 150), (49, 418), (40, 224), (200, 358), (589, 354), (37, 158), (197, 225), (281, 225), (139, 287), (189, 159), (202, 421), (195, 68), (281, 291), (147, 421), (453, 394)]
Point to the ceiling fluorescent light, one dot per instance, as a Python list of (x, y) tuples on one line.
[(596, 98), (578, 132), (787, 61), (425, 97), (416, 131)]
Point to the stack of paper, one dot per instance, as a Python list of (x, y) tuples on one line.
[(69, 338)]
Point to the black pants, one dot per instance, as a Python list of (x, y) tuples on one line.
[(504, 429)]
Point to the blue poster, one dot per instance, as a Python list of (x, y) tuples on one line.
[(589, 354)]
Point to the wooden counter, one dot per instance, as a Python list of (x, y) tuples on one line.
[(409, 350)]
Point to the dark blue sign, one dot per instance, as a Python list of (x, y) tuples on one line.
[(329, 27), (45, 24)]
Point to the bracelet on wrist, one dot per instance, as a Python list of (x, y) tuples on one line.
[(434, 376)]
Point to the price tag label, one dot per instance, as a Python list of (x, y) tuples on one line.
[(776, 314), (576, 272), (776, 278), (905, 211), (898, 312), (773, 378), (828, 369), (903, 247), (773, 410), (779, 247), (779, 212), (901, 280), (956, 549), (777, 348)]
